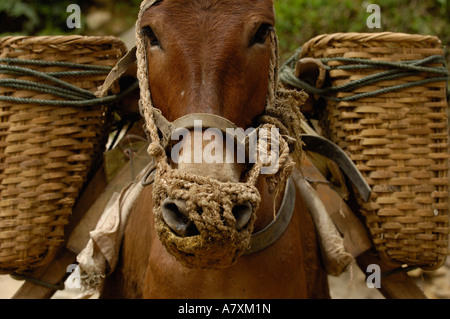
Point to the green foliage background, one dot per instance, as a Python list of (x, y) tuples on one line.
[(300, 20), (48, 17), (297, 20)]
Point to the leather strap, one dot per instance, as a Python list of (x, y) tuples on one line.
[(208, 121), (330, 150), (188, 122), (272, 232)]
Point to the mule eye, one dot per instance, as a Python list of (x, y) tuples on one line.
[(150, 35), (261, 34)]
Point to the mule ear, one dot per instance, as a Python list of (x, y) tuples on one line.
[(124, 73), (313, 72), (119, 69)]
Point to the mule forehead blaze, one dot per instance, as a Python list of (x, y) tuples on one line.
[(204, 61)]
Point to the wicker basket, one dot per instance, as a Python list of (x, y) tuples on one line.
[(47, 152), (398, 140)]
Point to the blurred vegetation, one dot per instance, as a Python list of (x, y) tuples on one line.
[(32, 17), (300, 20), (297, 20), (48, 17)]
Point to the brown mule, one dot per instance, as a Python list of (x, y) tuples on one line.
[(213, 57)]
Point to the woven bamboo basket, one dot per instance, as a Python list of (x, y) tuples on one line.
[(47, 151), (398, 138)]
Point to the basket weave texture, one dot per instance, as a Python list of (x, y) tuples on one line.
[(398, 140), (47, 152)]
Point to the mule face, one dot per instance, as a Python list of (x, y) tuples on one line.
[(208, 57)]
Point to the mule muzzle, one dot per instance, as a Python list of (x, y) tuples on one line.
[(176, 216)]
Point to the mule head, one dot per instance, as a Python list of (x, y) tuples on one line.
[(214, 57), (209, 56)]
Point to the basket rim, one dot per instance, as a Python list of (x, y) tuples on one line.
[(63, 40), (324, 40)]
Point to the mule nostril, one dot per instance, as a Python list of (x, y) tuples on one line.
[(176, 217), (242, 214)]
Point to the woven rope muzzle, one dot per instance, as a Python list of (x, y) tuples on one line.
[(209, 201)]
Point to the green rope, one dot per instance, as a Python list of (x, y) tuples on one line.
[(413, 65), (58, 286), (72, 95), (395, 70), (25, 71), (76, 73), (40, 87), (56, 63)]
